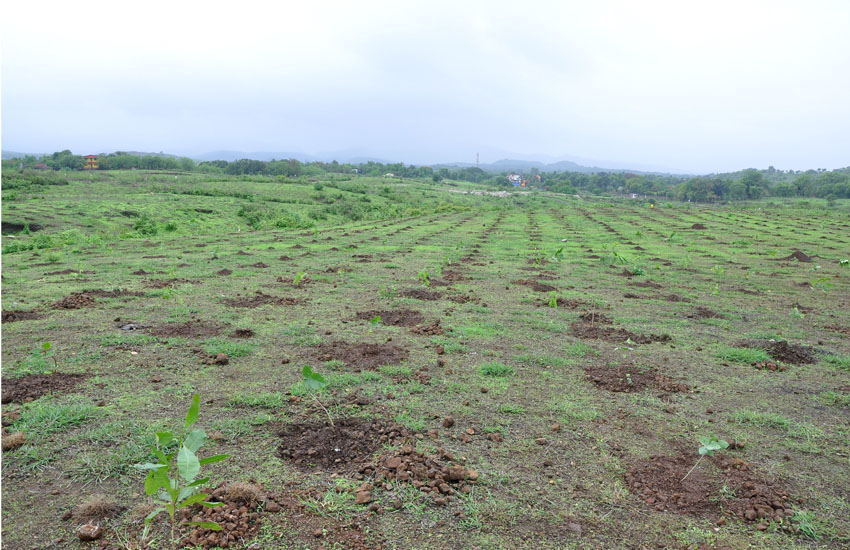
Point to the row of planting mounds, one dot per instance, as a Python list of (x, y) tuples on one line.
[(259, 299), (422, 294), (796, 255), (627, 379), (721, 485), (86, 298), (396, 318), (537, 286), (341, 447), (361, 355), (33, 386)]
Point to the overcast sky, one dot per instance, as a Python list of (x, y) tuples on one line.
[(695, 86)]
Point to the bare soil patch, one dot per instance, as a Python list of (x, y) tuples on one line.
[(224, 272), (421, 294), (77, 300), (646, 284), (396, 318), (790, 353), (165, 283), (68, 272), (701, 312), (614, 334), (243, 333), (658, 482), (341, 448), (362, 355), (434, 329), (261, 299), (33, 386), (796, 255), (15, 315), (190, 329), (537, 286), (628, 379), (117, 293), (697, 226)]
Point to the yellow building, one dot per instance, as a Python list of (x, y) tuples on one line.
[(91, 162)]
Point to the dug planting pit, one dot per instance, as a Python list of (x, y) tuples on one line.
[(340, 448), (33, 386), (535, 285), (421, 294), (586, 330), (395, 318), (15, 316), (723, 485), (361, 356), (629, 380), (190, 329)]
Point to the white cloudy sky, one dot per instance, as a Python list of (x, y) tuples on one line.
[(696, 86)]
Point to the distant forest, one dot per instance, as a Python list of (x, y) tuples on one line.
[(744, 185)]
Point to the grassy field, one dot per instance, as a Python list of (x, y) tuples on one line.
[(522, 371)]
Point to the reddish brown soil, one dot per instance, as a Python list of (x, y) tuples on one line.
[(783, 351), (397, 318), (239, 521), (260, 299), (453, 276), (628, 379), (658, 482), (566, 303), (434, 329), (697, 226), (595, 318), (834, 328), (701, 312), (285, 258), (243, 333), (15, 316), (535, 285), (117, 293), (421, 294), (646, 284), (796, 255), (33, 386), (615, 334), (462, 298), (361, 356), (77, 300), (224, 272), (341, 448), (190, 329), (769, 365)]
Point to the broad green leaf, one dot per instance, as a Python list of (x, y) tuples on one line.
[(157, 479), (186, 492), (193, 499), (192, 415), (195, 440), (164, 438), (151, 484), (46, 346), (198, 482), (212, 459), (164, 460), (313, 381), (211, 525), (148, 466), (188, 465)]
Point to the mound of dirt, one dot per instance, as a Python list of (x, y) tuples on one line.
[(224, 272), (421, 294), (790, 353), (68, 272), (16, 315), (535, 285), (342, 448), (697, 226), (629, 379), (769, 365), (190, 329), (595, 318), (33, 386), (10, 228), (615, 334), (243, 333), (362, 355), (796, 255), (117, 293), (396, 318), (260, 299), (658, 482), (239, 522), (646, 284), (434, 329), (704, 313), (463, 298), (78, 300), (565, 303), (164, 283)]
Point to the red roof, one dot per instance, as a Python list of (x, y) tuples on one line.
[(90, 157)]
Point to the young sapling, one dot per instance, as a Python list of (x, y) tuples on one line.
[(707, 447), (315, 382)]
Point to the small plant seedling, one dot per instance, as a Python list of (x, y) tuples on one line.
[(298, 278), (173, 479), (315, 382), (376, 320), (45, 350), (822, 284), (708, 444), (795, 313), (558, 256), (553, 299), (425, 278)]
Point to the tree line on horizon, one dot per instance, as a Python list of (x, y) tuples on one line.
[(745, 185)]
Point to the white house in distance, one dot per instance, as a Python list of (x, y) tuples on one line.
[(514, 178)]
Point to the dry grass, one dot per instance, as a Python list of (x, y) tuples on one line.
[(97, 507), (13, 441)]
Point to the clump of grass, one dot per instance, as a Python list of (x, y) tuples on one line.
[(45, 416), (510, 408), (838, 361), (214, 346), (742, 355), (96, 507), (243, 492), (270, 400), (496, 369)]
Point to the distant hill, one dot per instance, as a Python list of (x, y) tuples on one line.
[(506, 165), (8, 155)]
